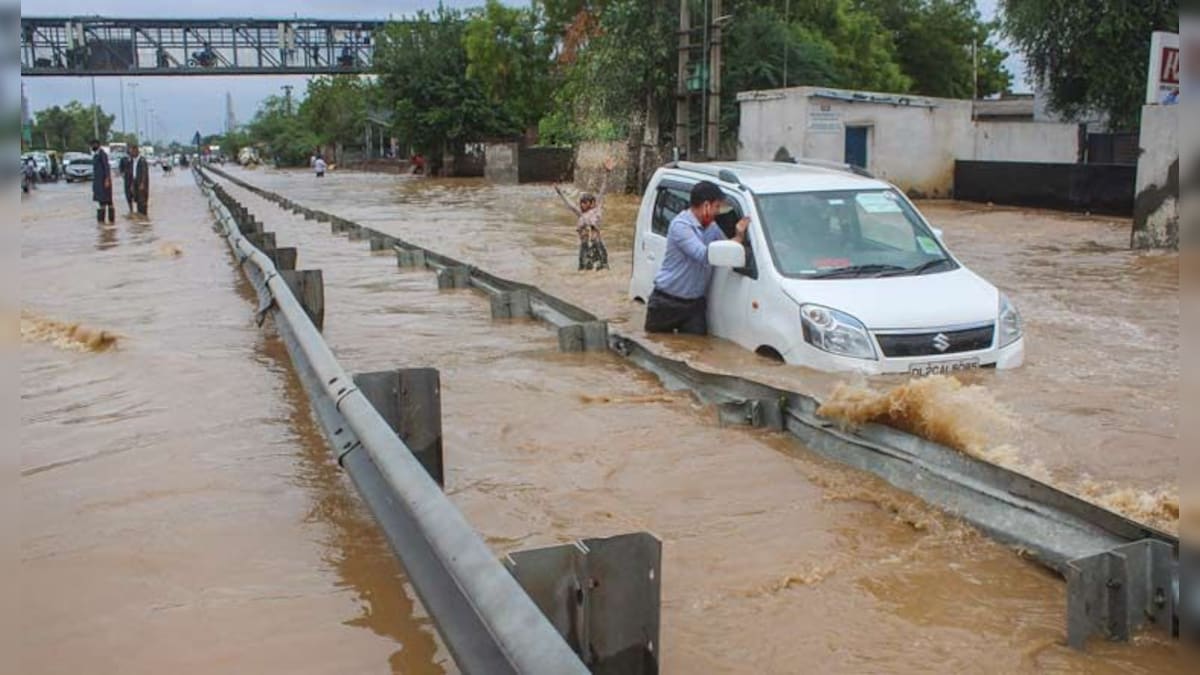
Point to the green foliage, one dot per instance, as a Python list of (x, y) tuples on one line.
[(422, 66), (1090, 54), (510, 58), (69, 128), (287, 139), (335, 108), (934, 41)]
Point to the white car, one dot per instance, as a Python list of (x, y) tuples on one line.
[(77, 166), (840, 272)]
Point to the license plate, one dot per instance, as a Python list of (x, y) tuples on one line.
[(942, 367)]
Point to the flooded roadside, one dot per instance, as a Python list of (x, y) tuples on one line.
[(773, 557), (1094, 409), (180, 511)]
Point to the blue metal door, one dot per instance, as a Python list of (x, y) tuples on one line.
[(856, 146)]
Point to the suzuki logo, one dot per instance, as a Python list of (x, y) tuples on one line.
[(941, 342)]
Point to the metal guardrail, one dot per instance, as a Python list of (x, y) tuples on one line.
[(1120, 574), (567, 622)]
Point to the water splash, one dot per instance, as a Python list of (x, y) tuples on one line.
[(938, 408), (67, 336), (1156, 507), (170, 250)]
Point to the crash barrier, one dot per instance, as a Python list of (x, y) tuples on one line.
[(592, 605), (1098, 188), (1121, 575)]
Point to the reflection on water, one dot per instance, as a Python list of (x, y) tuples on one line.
[(772, 557), (355, 546)]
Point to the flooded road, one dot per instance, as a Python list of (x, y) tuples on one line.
[(1094, 409), (180, 512), (774, 561)]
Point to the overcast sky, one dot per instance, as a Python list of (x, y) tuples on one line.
[(184, 105)]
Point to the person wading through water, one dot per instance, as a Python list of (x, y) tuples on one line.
[(139, 179), (102, 184), (593, 254), (679, 301)]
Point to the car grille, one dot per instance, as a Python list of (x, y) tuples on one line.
[(927, 344)]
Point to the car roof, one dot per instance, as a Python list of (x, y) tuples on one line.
[(775, 177)]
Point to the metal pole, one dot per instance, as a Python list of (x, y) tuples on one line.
[(145, 122), (787, 12), (713, 144), (705, 80), (121, 92), (95, 113), (134, 86), (682, 99)]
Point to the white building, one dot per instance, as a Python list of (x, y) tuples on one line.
[(912, 141)]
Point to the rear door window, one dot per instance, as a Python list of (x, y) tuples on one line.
[(670, 202)]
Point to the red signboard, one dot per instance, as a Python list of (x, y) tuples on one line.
[(1170, 66)]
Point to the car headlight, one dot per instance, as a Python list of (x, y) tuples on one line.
[(1009, 324), (836, 332)]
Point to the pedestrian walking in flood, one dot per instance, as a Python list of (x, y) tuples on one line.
[(593, 254), (139, 177), (102, 184), (319, 166)]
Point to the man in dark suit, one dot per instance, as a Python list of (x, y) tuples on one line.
[(102, 184), (124, 166), (139, 176)]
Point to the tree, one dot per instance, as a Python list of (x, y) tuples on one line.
[(509, 56), (288, 142), (422, 67), (934, 43), (69, 128), (335, 110), (1091, 55)]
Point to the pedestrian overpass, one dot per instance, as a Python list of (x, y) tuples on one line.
[(91, 46)]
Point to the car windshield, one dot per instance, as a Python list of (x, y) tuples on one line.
[(849, 233)]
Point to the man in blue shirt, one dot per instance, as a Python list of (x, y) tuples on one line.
[(678, 302)]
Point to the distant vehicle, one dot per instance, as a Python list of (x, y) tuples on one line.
[(78, 166), (41, 161), (248, 157), (840, 272), (114, 160), (117, 148)]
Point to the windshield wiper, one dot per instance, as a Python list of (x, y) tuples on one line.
[(857, 271), (919, 269)]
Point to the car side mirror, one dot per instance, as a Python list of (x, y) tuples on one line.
[(726, 254), (937, 232)]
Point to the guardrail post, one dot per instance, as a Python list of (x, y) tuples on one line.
[(261, 240), (321, 216), (284, 258), (409, 257), (309, 288), (1115, 592), (602, 595), (583, 337), (511, 305), (356, 232), (382, 242), (410, 401), (453, 277)]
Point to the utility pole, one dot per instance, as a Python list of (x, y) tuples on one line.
[(121, 92), (287, 92), (133, 86), (145, 121), (713, 144), (682, 98), (95, 113), (787, 21)]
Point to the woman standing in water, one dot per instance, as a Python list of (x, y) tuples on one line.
[(593, 255)]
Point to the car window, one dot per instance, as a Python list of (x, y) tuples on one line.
[(811, 233), (669, 203)]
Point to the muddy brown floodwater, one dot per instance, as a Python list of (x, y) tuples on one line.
[(774, 560), (1094, 409), (180, 511)]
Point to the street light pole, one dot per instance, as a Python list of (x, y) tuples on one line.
[(134, 86), (121, 93), (95, 113)]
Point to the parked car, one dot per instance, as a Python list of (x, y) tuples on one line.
[(840, 272), (78, 166)]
